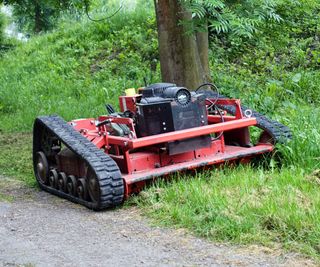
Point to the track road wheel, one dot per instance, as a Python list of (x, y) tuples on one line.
[(266, 138), (72, 185), (62, 182), (42, 168), (53, 178), (93, 187), (82, 189)]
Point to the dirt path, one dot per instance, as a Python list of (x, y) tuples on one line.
[(37, 229)]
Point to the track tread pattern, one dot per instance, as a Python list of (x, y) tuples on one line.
[(106, 170), (279, 132)]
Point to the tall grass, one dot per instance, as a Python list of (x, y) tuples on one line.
[(242, 205)]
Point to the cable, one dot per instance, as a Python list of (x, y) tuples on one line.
[(86, 5), (222, 120), (212, 85), (213, 103)]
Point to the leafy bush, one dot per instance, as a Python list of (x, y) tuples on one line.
[(39, 16), (277, 73), (233, 18)]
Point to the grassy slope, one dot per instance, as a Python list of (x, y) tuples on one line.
[(78, 68), (75, 70)]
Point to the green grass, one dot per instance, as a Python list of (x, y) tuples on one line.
[(74, 71), (16, 157), (242, 205), (6, 198)]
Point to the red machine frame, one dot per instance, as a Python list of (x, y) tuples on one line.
[(142, 159)]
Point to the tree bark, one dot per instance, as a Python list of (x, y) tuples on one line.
[(37, 18), (183, 56), (203, 49)]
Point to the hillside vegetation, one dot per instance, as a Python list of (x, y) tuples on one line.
[(76, 69)]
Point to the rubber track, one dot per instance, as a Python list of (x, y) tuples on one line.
[(106, 170), (279, 132)]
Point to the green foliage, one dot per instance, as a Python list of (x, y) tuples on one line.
[(75, 70), (38, 16), (296, 35), (284, 87), (6, 43), (236, 18), (277, 73)]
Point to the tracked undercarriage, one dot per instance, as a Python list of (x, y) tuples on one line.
[(161, 130), (95, 182)]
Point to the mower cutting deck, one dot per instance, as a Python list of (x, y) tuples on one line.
[(161, 130)]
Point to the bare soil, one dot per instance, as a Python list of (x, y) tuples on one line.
[(38, 229)]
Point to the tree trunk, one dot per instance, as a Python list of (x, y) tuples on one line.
[(203, 49), (183, 56), (37, 18)]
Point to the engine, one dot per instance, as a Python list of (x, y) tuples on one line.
[(164, 107)]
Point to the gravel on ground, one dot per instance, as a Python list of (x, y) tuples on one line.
[(38, 229)]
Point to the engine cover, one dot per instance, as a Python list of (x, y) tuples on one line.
[(165, 108)]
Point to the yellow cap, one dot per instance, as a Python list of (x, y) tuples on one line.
[(130, 92)]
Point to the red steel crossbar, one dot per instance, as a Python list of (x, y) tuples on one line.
[(182, 134)]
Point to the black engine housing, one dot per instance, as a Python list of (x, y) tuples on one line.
[(164, 107)]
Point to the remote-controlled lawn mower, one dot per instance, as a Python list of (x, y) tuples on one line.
[(160, 130)]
